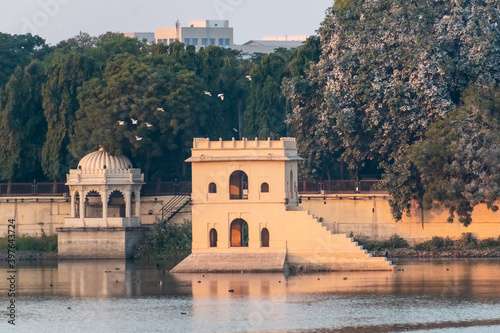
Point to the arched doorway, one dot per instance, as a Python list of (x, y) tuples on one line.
[(213, 237), (264, 238), (116, 204), (238, 185), (239, 233), (93, 205)]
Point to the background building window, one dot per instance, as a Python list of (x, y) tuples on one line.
[(212, 188), (221, 41), (212, 41), (194, 41), (171, 40), (226, 42), (204, 41), (187, 41), (264, 187)]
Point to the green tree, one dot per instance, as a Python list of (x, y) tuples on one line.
[(22, 124), (18, 50), (459, 161), (65, 73)]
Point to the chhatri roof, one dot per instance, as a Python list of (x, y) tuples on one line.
[(102, 160)]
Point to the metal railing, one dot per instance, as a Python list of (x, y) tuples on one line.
[(174, 188)]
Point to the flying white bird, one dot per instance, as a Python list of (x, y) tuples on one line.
[(160, 109), (208, 93), (148, 125), (138, 138), (221, 96), (249, 77), (121, 122), (134, 121), (234, 129)]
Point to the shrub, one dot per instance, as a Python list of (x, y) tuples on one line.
[(168, 241), (396, 242), (466, 241), (488, 242), (435, 244)]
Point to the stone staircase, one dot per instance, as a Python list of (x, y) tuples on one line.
[(323, 250)]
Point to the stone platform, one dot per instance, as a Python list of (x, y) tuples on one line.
[(99, 242), (225, 262)]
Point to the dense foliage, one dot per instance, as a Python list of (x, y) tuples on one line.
[(167, 241), (404, 91), (390, 73)]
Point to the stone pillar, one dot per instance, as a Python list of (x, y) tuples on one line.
[(83, 195), (104, 199), (138, 203), (128, 203), (73, 204)]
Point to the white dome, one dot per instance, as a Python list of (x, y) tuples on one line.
[(100, 160)]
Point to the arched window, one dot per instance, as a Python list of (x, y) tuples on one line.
[(213, 237), (239, 233), (212, 188), (291, 184), (264, 238), (264, 187), (238, 185)]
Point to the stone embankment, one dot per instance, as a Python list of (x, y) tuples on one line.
[(410, 253)]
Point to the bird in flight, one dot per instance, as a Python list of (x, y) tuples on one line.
[(121, 122), (134, 121), (221, 96), (208, 93), (249, 77), (148, 125), (160, 109), (138, 138)]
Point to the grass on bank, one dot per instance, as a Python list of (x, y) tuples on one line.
[(24, 243), (466, 242)]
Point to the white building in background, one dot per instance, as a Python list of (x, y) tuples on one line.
[(199, 33), (203, 33), (148, 36)]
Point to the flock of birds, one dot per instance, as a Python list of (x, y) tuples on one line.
[(136, 121)]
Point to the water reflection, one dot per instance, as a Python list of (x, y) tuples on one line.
[(465, 279), (420, 295)]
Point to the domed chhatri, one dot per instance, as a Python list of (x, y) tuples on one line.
[(102, 160), (105, 208), (105, 191)]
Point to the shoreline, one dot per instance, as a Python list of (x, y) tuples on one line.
[(451, 254), (390, 253)]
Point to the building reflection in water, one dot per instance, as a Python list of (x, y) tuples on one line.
[(118, 278)]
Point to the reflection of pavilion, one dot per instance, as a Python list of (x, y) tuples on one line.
[(105, 208), (246, 214)]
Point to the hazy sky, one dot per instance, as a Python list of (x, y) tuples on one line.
[(56, 20)]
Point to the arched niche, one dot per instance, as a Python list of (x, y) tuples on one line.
[(213, 237), (238, 233), (264, 237), (76, 205), (93, 205), (238, 185), (212, 188), (116, 204), (264, 187)]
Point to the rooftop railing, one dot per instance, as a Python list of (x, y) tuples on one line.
[(173, 188)]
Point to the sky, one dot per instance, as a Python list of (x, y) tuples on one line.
[(57, 20)]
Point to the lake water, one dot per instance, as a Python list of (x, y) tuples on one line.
[(119, 296)]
